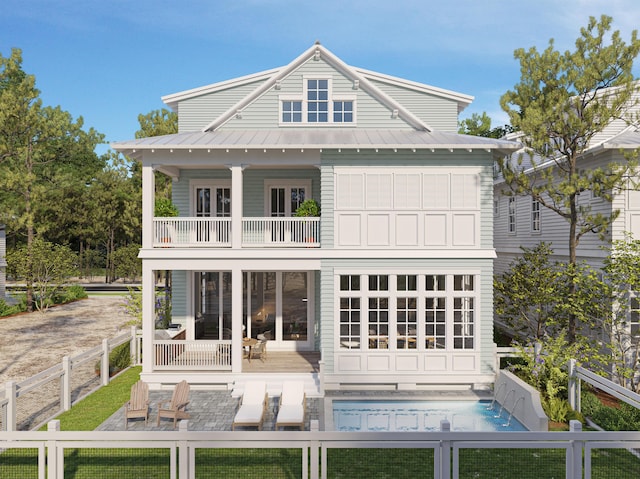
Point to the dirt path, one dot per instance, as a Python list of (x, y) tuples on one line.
[(33, 342)]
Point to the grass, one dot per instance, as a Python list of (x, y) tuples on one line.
[(93, 410), (274, 463)]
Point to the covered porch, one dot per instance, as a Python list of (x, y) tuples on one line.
[(217, 315)]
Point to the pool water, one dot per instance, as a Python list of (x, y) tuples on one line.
[(400, 415)]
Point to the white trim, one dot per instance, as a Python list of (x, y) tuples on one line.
[(287, 184)]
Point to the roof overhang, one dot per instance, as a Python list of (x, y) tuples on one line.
[(321, 140)]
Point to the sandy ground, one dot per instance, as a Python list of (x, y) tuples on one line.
[(33, 342)]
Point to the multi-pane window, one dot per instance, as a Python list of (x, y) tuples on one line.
[(535, 215), (318, 105), (342, 111), (317, 101), (349, 312), (435, 321), (291, 111), (378, 323), (463, 312), (512, 215), (407, 311)]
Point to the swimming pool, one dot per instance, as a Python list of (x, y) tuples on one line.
[(412, 415)]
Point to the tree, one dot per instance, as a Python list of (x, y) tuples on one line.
[(563, 100), (524, 295), (157, 123), (48, 265), (38, 147), (480, 125)]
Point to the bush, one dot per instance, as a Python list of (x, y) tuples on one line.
[(8, 310), (623, 418), (119, 359)]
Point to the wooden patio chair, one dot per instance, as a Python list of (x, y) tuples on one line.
[(293, 405), (138, 405), (175, 408), (253, 406)]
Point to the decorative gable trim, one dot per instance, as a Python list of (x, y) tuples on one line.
[(315, 52)]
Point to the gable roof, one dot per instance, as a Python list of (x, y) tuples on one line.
[(317, 51)]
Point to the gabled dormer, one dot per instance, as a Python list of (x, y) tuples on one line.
[(317, 90)]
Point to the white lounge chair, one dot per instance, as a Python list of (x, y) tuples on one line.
[(293, 405), (253, 406)]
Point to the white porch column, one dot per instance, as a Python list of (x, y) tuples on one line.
[(148, 205), (148, 317), (236, 319), (236, 206)]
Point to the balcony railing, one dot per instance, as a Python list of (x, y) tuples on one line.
[(256, 232), (181, 355)]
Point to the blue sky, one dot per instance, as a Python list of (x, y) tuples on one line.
[(109, 60)]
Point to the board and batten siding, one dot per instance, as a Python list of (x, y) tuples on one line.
[(411, 201), (197, 112), (439, 113), (264, 111)]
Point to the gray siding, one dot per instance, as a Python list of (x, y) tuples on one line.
[(179, 295), (263, 113), (439, 113), (197, 112)]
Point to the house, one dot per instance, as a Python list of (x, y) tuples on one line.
[(521, 221), (391, 286)]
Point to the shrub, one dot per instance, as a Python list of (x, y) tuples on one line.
[(623, 418), (119, 359)]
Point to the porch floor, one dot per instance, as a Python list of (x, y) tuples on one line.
[(284, 362)]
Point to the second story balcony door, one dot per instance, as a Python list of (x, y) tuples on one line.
[(283, 199), (209, 200)]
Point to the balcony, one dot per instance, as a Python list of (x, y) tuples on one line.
[(214, 232)]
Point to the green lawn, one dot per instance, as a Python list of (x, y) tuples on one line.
[(272, 463)]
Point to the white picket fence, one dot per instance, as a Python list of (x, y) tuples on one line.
[(30, 403), (452, 454)]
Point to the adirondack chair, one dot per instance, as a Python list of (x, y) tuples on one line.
[(138, 405), (175, 408)]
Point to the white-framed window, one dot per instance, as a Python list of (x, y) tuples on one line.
[(349, 303), (317, 105), (211, 198), (396, 312), (512, 215), (535, 215), (496, 208), (282, 197), (291, 111)]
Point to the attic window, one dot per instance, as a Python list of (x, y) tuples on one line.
[(318, 104)]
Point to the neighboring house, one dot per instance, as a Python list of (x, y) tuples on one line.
[(391, 286), (522, 221), (3, 262)]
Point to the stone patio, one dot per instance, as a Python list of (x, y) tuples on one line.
[(209, 410)]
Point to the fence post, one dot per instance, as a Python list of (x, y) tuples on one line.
[(574, 460), (12, 405), (571, 390), (55, 467), (445, 453), (104, 370), (314, 453), (186, 469), (133, 346), (66, 383)]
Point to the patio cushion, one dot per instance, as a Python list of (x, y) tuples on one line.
[(291, 413), (249, 414)]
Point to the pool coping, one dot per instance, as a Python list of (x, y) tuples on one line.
[(360, 395)]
